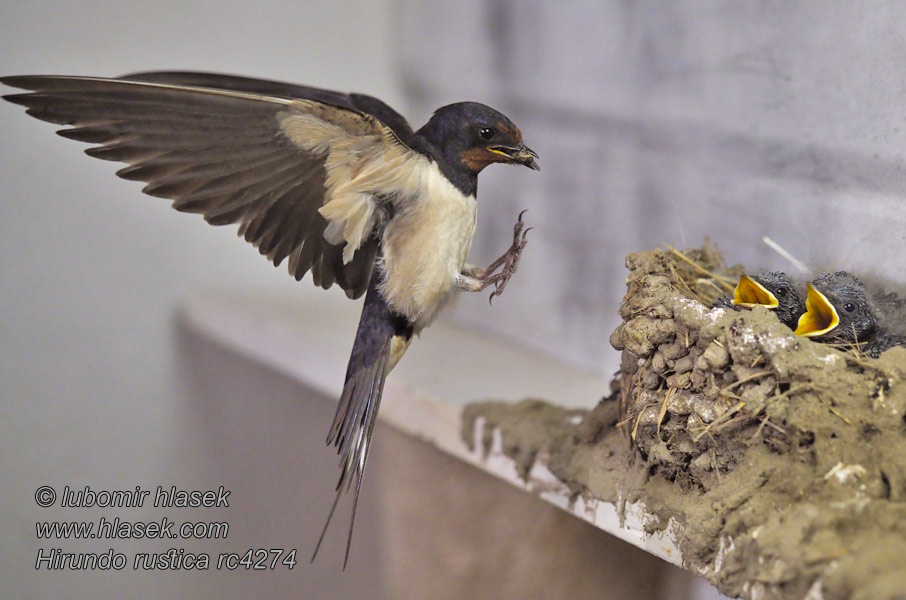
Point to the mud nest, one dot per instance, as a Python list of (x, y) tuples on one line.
[(783, 461), (799, 448)]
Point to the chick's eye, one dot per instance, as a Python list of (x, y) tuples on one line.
[(781, 292), (849, 307), (486, 133)]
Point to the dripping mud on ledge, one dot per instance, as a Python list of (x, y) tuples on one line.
[(783, 460)]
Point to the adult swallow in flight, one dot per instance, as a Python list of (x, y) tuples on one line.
[(774, 290), (338, 184)]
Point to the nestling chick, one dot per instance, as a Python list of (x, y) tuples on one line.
[(774, 290), (843, 310)]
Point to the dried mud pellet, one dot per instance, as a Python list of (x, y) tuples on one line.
[(680, 380), (715, 356), (651, 283), (658, 311), (705, 409), (664, 331), (616, 338), (649, 416), (684, 364), (636, 341), (699, 379), (674, 350), (658, 363), (647, 397), (680, 403), (651, 380), (646, 307), (646, 331)]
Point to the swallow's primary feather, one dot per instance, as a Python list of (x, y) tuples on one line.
[(336, 184)]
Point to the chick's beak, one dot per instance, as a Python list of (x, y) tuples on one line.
[(520, 154), (750, 293), (820, 316)]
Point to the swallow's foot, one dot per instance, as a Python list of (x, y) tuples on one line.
[(476, 279), (509, 261)]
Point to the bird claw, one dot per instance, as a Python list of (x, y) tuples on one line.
[(510, 260)]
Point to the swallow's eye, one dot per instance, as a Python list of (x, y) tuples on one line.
[(781, 292), (849, 307), (486, 133)]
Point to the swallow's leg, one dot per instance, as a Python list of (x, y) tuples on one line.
[(475, 279), (510, 258)]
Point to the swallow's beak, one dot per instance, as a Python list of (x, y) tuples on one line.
[(820, 316), (750, 293), (520, 154)]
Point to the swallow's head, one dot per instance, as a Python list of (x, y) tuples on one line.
[(476, 136), (774, 290), (838, 309)]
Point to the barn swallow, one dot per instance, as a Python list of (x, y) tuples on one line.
[(774, 290), (843, 310), (338, 184)]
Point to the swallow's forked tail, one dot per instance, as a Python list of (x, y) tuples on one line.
[(357, 411)]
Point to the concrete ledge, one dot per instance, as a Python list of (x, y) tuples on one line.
[(309, 338)]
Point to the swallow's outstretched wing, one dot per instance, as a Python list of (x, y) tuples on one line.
[(305, 178), (279, 89)]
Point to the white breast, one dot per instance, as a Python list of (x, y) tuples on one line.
[(426, 245)]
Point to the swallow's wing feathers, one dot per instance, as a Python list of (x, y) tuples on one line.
[(304, 179), (250, 85), (357, 102)]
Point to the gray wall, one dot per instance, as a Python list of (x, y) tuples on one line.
[(92, 388), (665, 122), (656, 122)]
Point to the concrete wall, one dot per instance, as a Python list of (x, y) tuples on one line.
[(665, 123)]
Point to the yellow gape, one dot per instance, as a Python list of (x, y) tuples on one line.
[(750, 293), (820, 316)]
